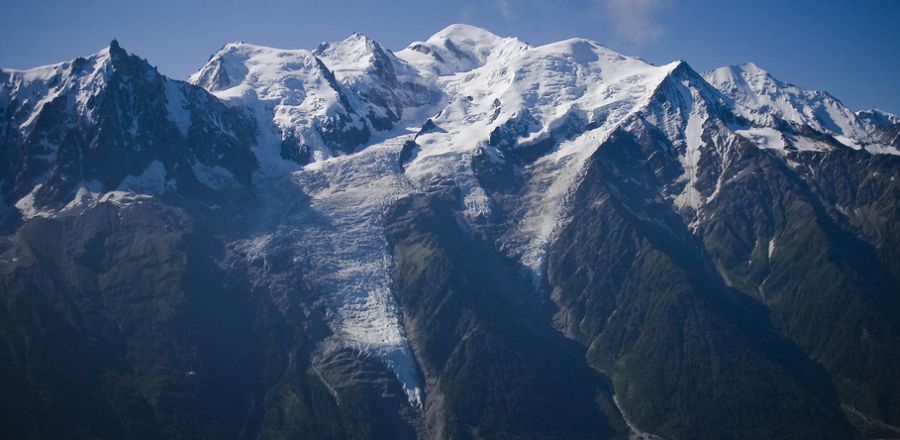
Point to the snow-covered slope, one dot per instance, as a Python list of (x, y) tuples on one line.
[(31, 90), (458, 48), (320, 103), (80, 84), (527, 95), (885, 126), (878, 118), (762, 98), (110, 121), (294, 90), (378, 84)]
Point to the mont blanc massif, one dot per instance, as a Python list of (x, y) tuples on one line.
[(469, 238)]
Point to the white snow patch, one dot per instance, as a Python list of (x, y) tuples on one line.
[(693, 132), (768, 138), (852, 143), (803, 143), (87, 195), (179, 109), (90, 194), (882, 149), (26, 205), (215, 177), (152, 181)]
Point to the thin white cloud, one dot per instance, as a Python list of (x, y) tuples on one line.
[(635, 20), (505, 8), (466, 14)]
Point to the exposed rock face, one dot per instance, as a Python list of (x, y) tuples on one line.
[(111, 122), (470, 238)]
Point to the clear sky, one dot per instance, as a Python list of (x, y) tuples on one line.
[(850, 48)]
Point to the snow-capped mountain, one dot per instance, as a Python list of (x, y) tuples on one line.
[(108, 122), (877, 117), (885, 126), (475, 237), (459, 48), (768, 101), (322, 103)]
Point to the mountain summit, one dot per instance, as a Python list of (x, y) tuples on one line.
[(471, 237)]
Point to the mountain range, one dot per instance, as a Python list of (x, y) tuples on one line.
[(472, 237)]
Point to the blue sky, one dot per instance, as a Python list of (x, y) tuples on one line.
[(850, 48)]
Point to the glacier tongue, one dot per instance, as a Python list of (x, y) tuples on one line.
[(348, 256)]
